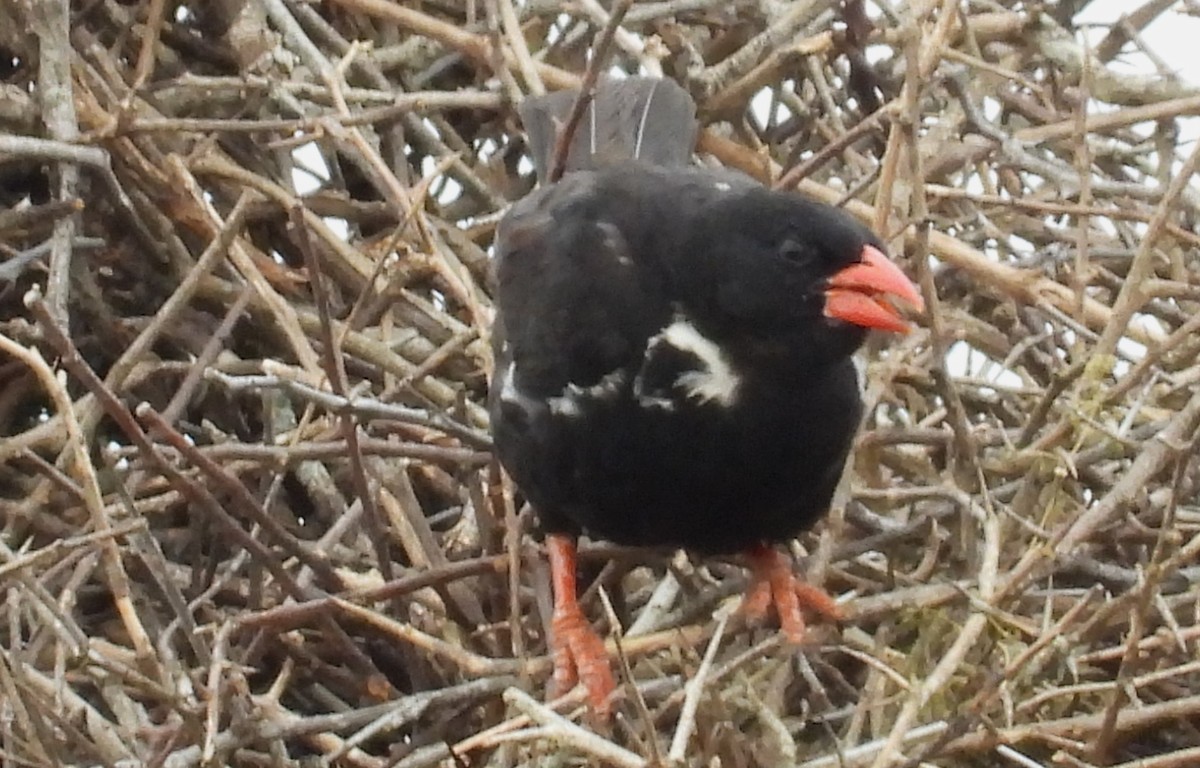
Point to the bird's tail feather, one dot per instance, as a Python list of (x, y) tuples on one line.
[(644, 118)]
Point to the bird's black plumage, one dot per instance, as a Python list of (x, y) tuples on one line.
[(665, 372)]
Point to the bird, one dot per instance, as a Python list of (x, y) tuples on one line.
[(672, 351)]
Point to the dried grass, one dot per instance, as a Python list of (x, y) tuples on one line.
[(221, 548)]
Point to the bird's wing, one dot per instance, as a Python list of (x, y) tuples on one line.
[(577, 303)]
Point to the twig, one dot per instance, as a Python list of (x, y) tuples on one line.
[(335, 372), (691, 701), (565, 732), (80, 459), (52, 26)]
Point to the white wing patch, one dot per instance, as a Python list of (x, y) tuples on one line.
[(716, 381), (570, 403), (508, 387), (713, 380), (652, 402), (511, 395), (565, 406)]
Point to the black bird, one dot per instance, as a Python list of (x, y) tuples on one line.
[(673, 353)]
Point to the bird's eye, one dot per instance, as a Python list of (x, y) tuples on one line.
[(796, 252)]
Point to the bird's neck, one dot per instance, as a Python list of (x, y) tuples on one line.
[(793, 358)]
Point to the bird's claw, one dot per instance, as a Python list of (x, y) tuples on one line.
[(580, 656), (775, 585)]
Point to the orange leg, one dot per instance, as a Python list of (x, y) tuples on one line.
[(579, 653), (775, 585)]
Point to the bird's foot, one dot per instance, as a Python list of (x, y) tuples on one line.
[(580, 656), (776, 585), (578, 652)]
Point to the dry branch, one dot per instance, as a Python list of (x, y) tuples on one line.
[(251, 519)]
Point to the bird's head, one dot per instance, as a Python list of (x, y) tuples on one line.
[(784, 267)]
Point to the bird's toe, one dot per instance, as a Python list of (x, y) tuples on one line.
[(774, 585), (580, 656)]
